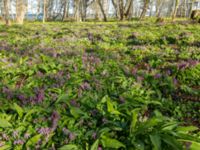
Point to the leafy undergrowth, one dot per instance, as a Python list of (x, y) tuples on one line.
[(95, 86)]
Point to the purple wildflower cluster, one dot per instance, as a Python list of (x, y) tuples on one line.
[(54, 119), (90, 61), (71, 135), (74, 103), (19, 142), (187, 64), (44, 131), (83, 87)]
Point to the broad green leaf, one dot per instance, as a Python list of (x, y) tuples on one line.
[(32, 141), (18, 109), (111, 108), (69, 147), (111, 143), (187, 129), (193, 145), (29, 113), (155, 139), (95, 145), (5, 147), (170, 126), (172, 142), (76, 112), (4, 123), (63, 98), (134, 119)]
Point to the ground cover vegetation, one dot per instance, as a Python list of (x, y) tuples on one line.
[(95, 86)]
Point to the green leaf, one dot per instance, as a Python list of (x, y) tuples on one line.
[(95, 145), (155, 139), (76, 112), (63, 98), (18, 109), (111, 109), (4, 123), (194, 145), (5, 147), (134, 119), (69, 147), (186, 129), (111, 143), (172, 142), (32, 141), (29, 114)]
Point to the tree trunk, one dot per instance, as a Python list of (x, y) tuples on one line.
[(6, 9), (44, 11), (144, 10), (102, 10), (129, 8), (64, 10), (175, 9), (21, 7)]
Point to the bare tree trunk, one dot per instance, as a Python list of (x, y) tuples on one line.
[(77, 10), (116, 8), (102, 10), (64, 10), (175, 9), (6, 9), (21, 7), (128, 9), (144, 10), (121, 9), (44, 11)]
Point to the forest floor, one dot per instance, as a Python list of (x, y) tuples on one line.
[(128, 85)]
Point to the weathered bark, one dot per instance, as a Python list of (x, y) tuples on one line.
[(77, 13), (144, 10), (21, 8), (128, 9), (102, 10), (44, 11), (64, 10), (175, 9), (6, 10)]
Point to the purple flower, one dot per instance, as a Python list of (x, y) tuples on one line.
[(157, 76), (134, 71), (18, 142), (182, 65), (72, 136), (65, 131), (169, 72), (54, 119), (94, 135), (5, 137), (175, 81), (40, 95), (27, 135), (100, 148), (15, 134), (85, 86), (44, 131), (7, 92), (2, 143), (140, 78), (68, 76), (74, 103)]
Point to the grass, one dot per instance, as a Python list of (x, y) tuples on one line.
[(125, 85)]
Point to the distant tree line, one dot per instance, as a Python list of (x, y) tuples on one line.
[(81, 10)]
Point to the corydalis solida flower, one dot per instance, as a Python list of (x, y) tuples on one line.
[(54, 119)]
